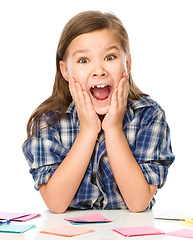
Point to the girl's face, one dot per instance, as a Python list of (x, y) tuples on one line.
[(97, 61)]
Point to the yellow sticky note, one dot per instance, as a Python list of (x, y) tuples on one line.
[(186, 222)]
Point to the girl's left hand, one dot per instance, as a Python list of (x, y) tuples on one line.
[(113, 120)]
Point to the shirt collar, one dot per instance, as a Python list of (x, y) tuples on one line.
[(133, 105)]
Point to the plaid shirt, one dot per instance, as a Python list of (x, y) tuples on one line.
[(148, 135)]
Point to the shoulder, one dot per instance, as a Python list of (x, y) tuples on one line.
[(55, 117), (145, 109), (144, 102), (55, 121)]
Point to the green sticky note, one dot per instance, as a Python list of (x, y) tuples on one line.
[(12, 228)]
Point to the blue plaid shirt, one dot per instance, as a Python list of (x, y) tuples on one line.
[(148, 135)]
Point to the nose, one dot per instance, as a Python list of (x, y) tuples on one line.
[(99, 71)]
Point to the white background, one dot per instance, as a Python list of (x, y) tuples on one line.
[(161, 41)]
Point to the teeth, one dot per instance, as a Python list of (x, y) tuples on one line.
[(100, 86)]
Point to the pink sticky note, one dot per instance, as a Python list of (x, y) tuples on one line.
[(89, 218), (12, 237), (68, 231), (138, 231), (186, 233)]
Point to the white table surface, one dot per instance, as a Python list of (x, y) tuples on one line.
[(120, 218)]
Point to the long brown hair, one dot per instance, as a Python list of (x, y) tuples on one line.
[(61, 98)]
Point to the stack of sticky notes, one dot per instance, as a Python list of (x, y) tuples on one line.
[(68, 231), (13, 228), (8, 227), (19, 217), (88, 218), (138, 231)]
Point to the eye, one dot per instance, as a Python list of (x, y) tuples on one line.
[(83, 60), (110, 57)]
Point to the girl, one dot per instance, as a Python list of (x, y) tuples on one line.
[(98, 141)]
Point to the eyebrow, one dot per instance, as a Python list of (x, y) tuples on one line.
[(112, 47), (80, 51), (85, 50)]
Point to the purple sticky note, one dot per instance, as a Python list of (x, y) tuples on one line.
[(9, 215), (27, 217), (20, 217)]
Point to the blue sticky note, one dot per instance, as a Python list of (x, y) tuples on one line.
[(12, 228)]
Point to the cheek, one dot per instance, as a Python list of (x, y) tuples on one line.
[(71, 70), (117, 72), (74, 72), (79, 75)]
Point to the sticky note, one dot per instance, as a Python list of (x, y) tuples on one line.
[(186, 233), (68, 231), (9, 215), (20, 217), (186, 222), (12, 237), (138, 231), (174, 215), (27, 217), (89, 218), (12, 228)]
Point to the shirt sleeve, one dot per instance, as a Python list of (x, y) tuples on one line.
[(44, 153), (153, 147)]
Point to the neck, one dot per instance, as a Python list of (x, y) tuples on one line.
[(101, 117)]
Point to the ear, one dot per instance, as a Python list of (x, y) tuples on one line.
[(128, 62), (64, 70)]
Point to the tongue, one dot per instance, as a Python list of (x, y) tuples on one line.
[(101, 93)]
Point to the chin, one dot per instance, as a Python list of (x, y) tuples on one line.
[(102, 110)]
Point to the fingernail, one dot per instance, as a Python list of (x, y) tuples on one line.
[(71, 81), (84, 93), (77, 85), (124, 74)]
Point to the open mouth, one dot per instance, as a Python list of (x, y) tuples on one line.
[(100, 92)]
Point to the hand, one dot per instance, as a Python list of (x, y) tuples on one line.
[(89, 120), (114, 118)]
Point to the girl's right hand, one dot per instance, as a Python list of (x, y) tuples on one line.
[(89, 120)]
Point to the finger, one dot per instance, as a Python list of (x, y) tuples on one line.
[(88, 103), (126, 89), (72, 89), (79, 93), (121, 88), (76, 92), (114, 100)]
